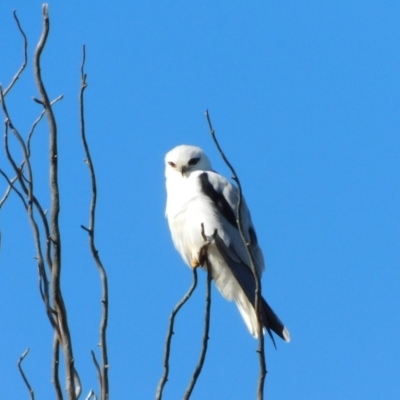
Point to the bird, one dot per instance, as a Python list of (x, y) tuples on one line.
[(201, 210)]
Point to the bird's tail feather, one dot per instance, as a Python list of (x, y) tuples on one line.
[(243, 292)]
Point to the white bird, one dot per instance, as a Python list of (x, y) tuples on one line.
[(197, 195)]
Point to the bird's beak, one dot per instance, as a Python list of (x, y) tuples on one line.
[(183, 170)]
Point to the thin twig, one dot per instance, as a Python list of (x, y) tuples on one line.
[(12, 181), (97, 366), (58, 301), (11, 186), (167, 350), (257, 305), (91, 394), (104, 385), (38, 119), (205, 335), (8, 190), (78, 384), (25, 61), (8, 123), (24, 354)]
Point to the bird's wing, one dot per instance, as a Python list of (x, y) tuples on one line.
[(224, 198), (232, 253)]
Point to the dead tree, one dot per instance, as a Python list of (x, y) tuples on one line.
[(45, 225)]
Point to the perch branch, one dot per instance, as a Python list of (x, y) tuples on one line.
[(104, 385), (167, 350), (257, 305), (205, 335), (31, 393)]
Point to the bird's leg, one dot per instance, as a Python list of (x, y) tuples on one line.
[(195, 263), (202, 257)]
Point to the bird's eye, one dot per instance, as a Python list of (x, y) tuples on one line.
[(194, 161), (171, 164)]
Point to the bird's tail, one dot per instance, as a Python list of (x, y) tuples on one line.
[(236, 282), (270, 320), (273, 323)]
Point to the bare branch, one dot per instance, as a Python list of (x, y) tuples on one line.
[(56, 362), (28, 190), (12, 181), (26, 184), (58, 302), (31, 393), (27, 187), (257, 305), (205, 335), (167, 350), (25, 61), (104, 385)]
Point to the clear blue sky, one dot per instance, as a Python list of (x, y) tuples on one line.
[(305, 98)]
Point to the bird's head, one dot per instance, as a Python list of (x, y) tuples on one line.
[(185, 159)]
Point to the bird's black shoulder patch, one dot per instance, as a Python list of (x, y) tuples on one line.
[(218, 199)]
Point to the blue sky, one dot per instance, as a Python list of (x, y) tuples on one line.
[(305, 99)]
